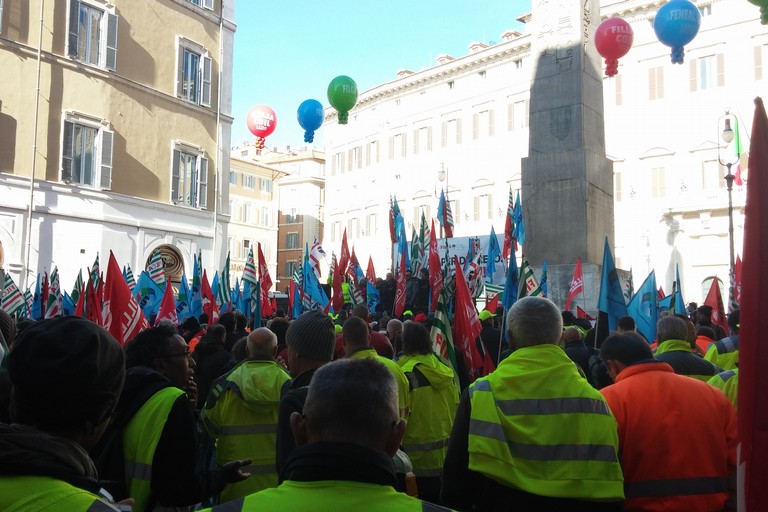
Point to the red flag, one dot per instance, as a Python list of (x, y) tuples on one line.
[(435, 269), (44, 291), (737, 281), (753, 351), (466, 326), (341, 268), (580, 313), (209, 303), (291, 293), (660, 295), (493, 304), (392, 233), (509, 238), (93, 309), (122, 316), (577, 284), (167, 306), (715, 300), (400, 291), (370, 272), (266, 284), (80, 307)]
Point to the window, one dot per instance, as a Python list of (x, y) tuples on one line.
[(232, 206), (354, 228), (194, 73), (451, 132), (245, 248), (712, 175), (246, 212), (336, 231), (617, 186), (455, 210), (422, 140), (292, 217), (266, 217), (291, 266), (189, 177), (86, 157), (518, 115), (658, 182), (705, 10), (249, 181), (707, 72), (372, 154), (355, 158), (370, 224), (760, 53), (265, 185), (338, 164), (1, 23), (483, 207), (482, 124), (208, 4), (397, 146), (417, 211), (232, 178), (292, 241), (92, 35), (656, 83)]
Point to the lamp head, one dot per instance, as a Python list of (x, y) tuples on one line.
[(727, 134)]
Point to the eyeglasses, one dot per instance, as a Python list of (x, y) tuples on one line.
[(186, 353)]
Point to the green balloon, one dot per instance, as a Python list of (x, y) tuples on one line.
[(342, 95)]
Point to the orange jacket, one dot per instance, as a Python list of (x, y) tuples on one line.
[(677, 439)]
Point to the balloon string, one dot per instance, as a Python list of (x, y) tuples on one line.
[(343, 117), (309, 136), (611, 67), (260, 142), (677, 55)]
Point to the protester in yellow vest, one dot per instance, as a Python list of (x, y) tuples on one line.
[(433, 398), (728, 383), (159, 439), (676, 351), (534, 434), (67, 374), (347, 435), (241, 414)]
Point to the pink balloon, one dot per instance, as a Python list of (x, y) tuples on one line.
[(261, 121), (613, 39)]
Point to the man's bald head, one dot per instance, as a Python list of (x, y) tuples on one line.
[(571, 334), (261, 343)]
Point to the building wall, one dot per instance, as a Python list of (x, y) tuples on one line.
[(137, 102)]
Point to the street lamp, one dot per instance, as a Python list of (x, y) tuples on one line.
[(727, 137)]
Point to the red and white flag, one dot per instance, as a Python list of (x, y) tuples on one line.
[(167, 306), (400, 290), (266, 284), (316, 253), (715, 301), (121, 314), (435, 269), (466, 326), (210, 307), (577, 284)]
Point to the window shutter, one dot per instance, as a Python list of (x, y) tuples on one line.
[(510, 116), (111, 42), (105, 180), (490, 206), (490, 123), (175, 178), (180, 72), (416, 141), (368, 154), (758, 62), (403, 143), (350, 159), (477, 208), (429, 138), (660, 82), (208, 4), (455, 211), (74, 28), (720, 70), (475, 127), (458, 130), (205, 96), (202, 186), (444, 134), (359, 161), (66, 153), (617, 85), (391, 148), (694, 77)]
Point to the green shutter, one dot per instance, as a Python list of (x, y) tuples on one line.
[(66, 151), (74, 28), (105, 181), (111, 42)]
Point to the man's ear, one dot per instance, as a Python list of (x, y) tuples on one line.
[(299, 428), (160, 364), (395, 437), (614, 368)]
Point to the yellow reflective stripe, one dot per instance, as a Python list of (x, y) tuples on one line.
[(675, 487), (574, 405), (241, 430), (543, 452), (138, 470), (425, 447)]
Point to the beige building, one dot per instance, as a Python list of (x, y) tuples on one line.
[(462, 125), (115, 122)]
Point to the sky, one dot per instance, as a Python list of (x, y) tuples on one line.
[(287, 51)]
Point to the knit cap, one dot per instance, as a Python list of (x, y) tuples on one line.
[(312, 336), (66, 372), (7, 327)]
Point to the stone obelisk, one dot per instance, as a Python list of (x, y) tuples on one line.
[(567, 179)]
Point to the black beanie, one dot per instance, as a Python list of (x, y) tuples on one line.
[(312, 335), (67, 372), (7, 327)]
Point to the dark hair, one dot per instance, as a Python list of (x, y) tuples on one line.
[(355, 331), (416, 339), (148, 345), (239, 352), (228, 321), (215, 331), (203, 318), (361, 311), (279, 326), (703, 330), (190, 324), (628, 348), (733, 320), (568, 317), (241, 321), (626, 323)]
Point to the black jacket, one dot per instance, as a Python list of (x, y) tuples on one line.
[(213, 360), (292, 401)]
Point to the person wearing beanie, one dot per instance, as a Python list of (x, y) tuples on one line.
[(311, 341), (7, 335), (240, 414), (378, 341), (155, 419), (67, 375)]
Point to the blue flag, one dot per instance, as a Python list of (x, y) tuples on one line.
[(642, 307), (215, 290), (511, 284), (494, 251), (296, 310), (517, 215), (312, 287), (402, 242), (183, 298), (196, 300), (372, 296), (611, 299), (148, 294), (67, 304), (679, 303), (245, 298), (543, 280), (37, 310), (256, 313)]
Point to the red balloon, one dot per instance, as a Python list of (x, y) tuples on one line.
[(261, 121), (613, 39)]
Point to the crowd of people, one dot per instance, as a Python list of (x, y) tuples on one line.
[(357, 412)]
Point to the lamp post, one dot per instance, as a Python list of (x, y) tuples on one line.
[(727, 136), (442, 177)]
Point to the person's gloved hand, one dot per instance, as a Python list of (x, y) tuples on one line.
[(232, 473)]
